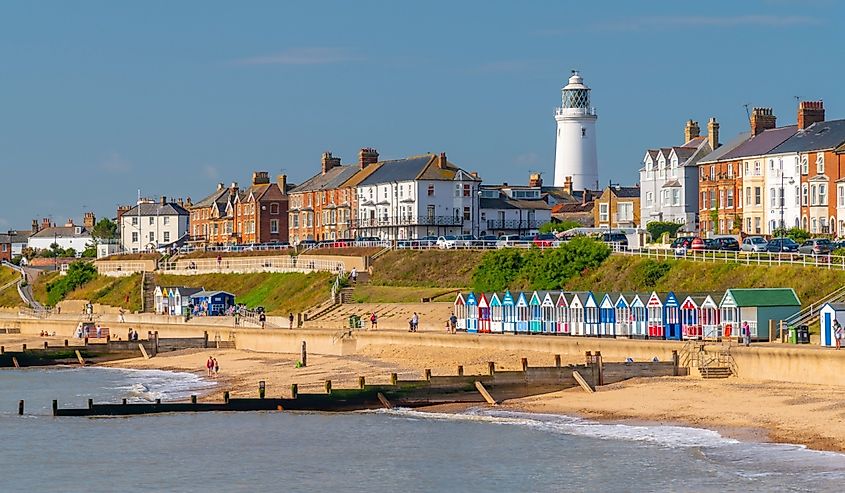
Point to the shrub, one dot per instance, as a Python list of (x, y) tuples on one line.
[(657, 228), (561, 226), (78, 273), (797, 234), (650, 272), (498, 270)]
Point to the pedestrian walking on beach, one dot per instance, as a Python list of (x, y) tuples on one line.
[(746, 334), (209, 365), (216, 368), (290, 320), (373, 321), (453, 322), (838, 334), (415, 321)]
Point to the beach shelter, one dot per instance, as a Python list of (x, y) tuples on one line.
[(535, 324), (639, 316), (757, 307), (562, 307), (654, 309), (483, 313), (523, 314), (576, 312), (508, 313), (180, 300), (607, 317), (624, 317), (689, 311), (709, 318), (213, 303), (496, 325), (829, 313), (591, 315), (160, 299), (672, 317), (550, 320), (472, 313), (461, 312)]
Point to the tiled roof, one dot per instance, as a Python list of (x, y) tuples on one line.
[(818, 136), (765, 297), (573, 208), (5, 238), (334, 178), (62, 231), (718, 154), (624, 192), (508, 203), (761, 143), (403, 170), (157, 209)]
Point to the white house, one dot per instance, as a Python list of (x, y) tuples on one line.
[(669, 178), (150, 225), (68, 236), (508, 209), (418, 196)]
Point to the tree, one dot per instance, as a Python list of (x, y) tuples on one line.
[(78, 273), (104, 230), (498, 270), (797, 234), (90, 250), (561, 226), (657, 228)]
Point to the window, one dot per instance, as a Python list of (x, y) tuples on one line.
[(676, 196), (805, 166), (748, 224), (649, 198), (757, 168), (625, 212), (431, 190), (274, 226), (730, 201), (467, 216), (134, 237), (840, 199), (804, 195), (730, 171), (820, 163), (772, 198), (713, 172), (757, 225), (797, 196), (822, 194), (166, 220), (583, 132), (746, 169), (721, 198), (703, 200), (134, 220), (603, 212), (712, 199), (758, 196), (152, 236), (747, 195), (467, 190), (813, 198), (274, 208), (167, 236), (152, 220)]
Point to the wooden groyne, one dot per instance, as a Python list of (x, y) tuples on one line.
[(492, 387)]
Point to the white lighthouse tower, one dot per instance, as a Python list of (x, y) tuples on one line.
[(575, 152)]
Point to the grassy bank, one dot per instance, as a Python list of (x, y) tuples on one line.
[(114, 291), (399, 294), (9, 296), (429, 268)]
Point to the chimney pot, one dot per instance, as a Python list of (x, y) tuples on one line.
[(329, 162), (713, 133), (367, 156), (762, 119), (691, 130), (567, 185), (220, 186), (282, 181), (442, 161), (810, 112), (163, 200)]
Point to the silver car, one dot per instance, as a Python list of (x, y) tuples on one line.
[(754, 244)]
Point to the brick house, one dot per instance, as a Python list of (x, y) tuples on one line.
[(617, 207), (5, 247)]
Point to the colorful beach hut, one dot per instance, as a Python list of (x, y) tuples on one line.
[(672, 317), (483, 313), (550, 320), (508, 313), (639, 316), (496, 314), (591, 315), (708, 318), (654, 308), (690, 307), (523, 314), (829, 313), (624, 317), (472, 313), (562, 314), (576, 312), (460, 312), (757, 307), (213, 303), (607, 317), (535, 323)]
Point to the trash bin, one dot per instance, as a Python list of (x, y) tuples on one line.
[(793, 335), (803, 334), (354, 322)]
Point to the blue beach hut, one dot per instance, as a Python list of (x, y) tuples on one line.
[(472, 313), (623, 317), (607, 317), (496, 324), (213, 303), (508, 313), (523, 314), (639, 316), (535, 324), (591, 315), (672, 317)]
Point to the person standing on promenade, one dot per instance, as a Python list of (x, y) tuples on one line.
[(219, 262), (120, 316), (262, 318), (453, 322), (373, 321), (746, 334), (290, 320), (838, 334), (353, 275)]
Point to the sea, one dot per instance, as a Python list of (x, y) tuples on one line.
[(398, 450)]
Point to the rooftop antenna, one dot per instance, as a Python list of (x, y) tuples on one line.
[(747, 113)]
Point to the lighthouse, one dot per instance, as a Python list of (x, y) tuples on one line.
[(575, 150)]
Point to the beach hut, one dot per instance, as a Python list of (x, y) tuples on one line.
[(523, 314), (654, 309), (607, 317), (639, 316), (472, 313), (213, 303), (672, 317), (624, 317), (757, 307), (461, 312), (576, 313), (689, 311), (591, 315), (496, 325), (160, 299), (550, 320), (827, 315), (535, 323), (180, 300), (708, 318), (483, 313), (508, 313), (562, 314)]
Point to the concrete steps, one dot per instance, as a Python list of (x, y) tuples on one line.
[(715, 372)]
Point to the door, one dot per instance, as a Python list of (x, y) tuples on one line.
[(827, 330)]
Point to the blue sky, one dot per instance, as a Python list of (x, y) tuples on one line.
[(100, 99)]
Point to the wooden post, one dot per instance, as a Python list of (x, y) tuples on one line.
[(303, 355), (361, 382), (226, 397), (46, 344), (55, 407), (491, 367), (557, 361), (2, 349), (90, 403), (771, 329), (15, 362), (589, 357), (23, 348), (261, 389), (583, 383), (428, 374), (124, 401), (600, 367), (483, 391), (676, 362), (393, 379), (524, 364), (384, 402), (294, 390), (193, 399), (143, 351), (205, 336), (328, 386), (66, 344), (79, 357), (460, 370), (86, 340), (20, 407)]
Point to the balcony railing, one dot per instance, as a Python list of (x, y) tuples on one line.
[(382, 222), (514, 224)]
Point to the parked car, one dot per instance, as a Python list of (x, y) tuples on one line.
[(698, 244), (367, 239), (506, 241), (682, 241), (447, 241), (465, 241), (727, 243), (782, 245), (710, 244), (619, 238), (754, 244), (815, 246), (307, 244), (545, 240), (427, 241), (487, 241)]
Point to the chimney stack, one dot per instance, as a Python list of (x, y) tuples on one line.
[(329, 162), (69, 223), (35, 226), (89, 220), (762, 119), (586, 197), (691, 130), (220, 186), (810, 112), (260, 178), (535, 180), (45, 223), (441, 163), (162, 200), (282, 181), (188, 201), (713, 133), (233, 189), (367, 156), (567, 185)]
